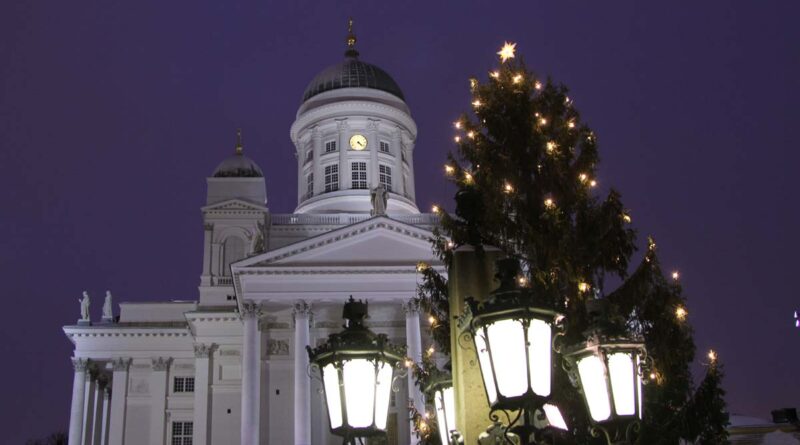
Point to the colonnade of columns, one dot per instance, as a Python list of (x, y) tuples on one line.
[(90, 410), (251, 360)]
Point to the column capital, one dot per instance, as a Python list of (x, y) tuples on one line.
[(372, 124), (80, 364), (341, 124), (208, 226), (250, 309), (302, 309), (411, 306), (161, 363), (202, 350), (121, 363)]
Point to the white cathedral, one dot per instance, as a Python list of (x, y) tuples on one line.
[(231, 367)]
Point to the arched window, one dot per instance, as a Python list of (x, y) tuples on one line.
[(233, 250)]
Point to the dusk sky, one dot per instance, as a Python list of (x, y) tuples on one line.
[(113, 113)]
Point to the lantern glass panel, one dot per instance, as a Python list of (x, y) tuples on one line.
[(507, 342), (639, 384), (592, 374), (330, 377), (384, 392), (539, 350), (620, 368), (486, 367), (359, 392), (554, 416), (445, 402)]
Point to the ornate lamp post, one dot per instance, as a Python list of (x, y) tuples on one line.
[(440, 388), (608, 370), (357, 368), (513, 335)]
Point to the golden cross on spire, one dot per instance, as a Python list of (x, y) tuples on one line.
[(239, 141), (351, 40)]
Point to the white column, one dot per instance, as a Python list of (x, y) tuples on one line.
[(202, 373), (373, 145), (251, 372), (316, 164), (302, 381), (216, 261), (76, 409), (97, 423), (205, 277), (158, 400), (343, 146), (397, 151), (88, 406), (410, 186), (119, 382), (106, 416), (414, 347)]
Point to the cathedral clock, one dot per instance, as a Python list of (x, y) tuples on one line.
[(358, 142)]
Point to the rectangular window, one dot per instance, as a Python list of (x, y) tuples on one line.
[(359, 175), (183, 384), (310, 185), (330, 146), (385, 176), (331, 178), (384, 147), (182, 433)]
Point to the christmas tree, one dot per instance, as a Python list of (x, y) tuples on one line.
[(525, 172)]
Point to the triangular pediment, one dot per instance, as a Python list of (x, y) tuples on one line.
[(233, 205), (376, 241)]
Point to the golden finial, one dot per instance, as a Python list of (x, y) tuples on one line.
[(239, 141), (351, 40)]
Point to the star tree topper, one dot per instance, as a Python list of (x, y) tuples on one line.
[(507, 51)]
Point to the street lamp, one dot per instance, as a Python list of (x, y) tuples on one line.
[(608, 370), (357, 368), (513, 335), (441, 388)]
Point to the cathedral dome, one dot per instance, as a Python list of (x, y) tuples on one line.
[(352, 73), (238, 165)]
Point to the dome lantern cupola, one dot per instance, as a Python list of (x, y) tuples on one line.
[(238, 165), (237, 177)]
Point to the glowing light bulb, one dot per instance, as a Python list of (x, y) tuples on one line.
[(517, 78), (457, 124), (435, 209), (626, 218), (681, 313), (457, 139), (583, 287), (473, 83), (449, 169), (409, 363), (471, 135), (431, 350), (592, 183), (508, 188), (495, 74), (476, 103), (523, 281), (675, 275), (542, 121), (549, 203), (421, 266), (571, 124), (538, 85), (551, 146), (712, 356), (450, 244), (467, 177), (583, 177), (507, 51)]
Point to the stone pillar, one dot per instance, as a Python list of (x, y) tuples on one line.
[(399, 186), (205, 277), (158, 400), (251, 372), (88, 405), (414, 348), (106, 416), (99, 409), (119, 382), (76, 408), (469, 275), (373, 145), (216, 260), (302, 381), (202, 401), (344, 146)]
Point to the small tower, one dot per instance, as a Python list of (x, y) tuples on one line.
[(235, 218), (353, 133)]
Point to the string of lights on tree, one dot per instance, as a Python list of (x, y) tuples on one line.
[(525, 173)]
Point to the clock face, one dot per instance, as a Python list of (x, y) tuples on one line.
[(358, 142)]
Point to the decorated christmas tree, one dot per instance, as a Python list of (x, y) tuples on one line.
[(525, 172)]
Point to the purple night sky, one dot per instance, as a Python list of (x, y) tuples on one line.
[(113, 113)]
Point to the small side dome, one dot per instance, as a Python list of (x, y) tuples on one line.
[(238, 165)]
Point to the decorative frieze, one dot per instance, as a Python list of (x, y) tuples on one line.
[(277, 347)]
